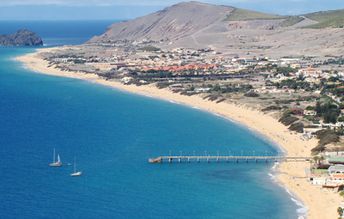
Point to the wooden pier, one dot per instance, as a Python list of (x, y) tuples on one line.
[(235, 159)]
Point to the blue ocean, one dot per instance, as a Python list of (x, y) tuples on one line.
[(112, 134)]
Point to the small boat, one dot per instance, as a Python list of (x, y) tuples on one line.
[(75, 173), (56, 163)]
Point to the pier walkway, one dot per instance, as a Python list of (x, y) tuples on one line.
[(236, 159)]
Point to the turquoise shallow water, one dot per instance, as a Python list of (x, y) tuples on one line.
[(112, 134)]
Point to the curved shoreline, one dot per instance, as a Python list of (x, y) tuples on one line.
[(320, 203)]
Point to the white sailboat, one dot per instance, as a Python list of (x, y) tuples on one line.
[(56, 163), (75, 173)]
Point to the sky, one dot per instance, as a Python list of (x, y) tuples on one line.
[(128, 9)]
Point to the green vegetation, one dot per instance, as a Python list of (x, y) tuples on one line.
[(272, 108), (293, 84), (230, 88), (162, 85), (287, 119), (340, 211), (291, 20), (251, 94), (318, 149), (333, 19), (319, 171), (244, 15), (310, 108), (327, 136), (285, 70), (297, 127), (328, 110), (150, 49), (341, 119)]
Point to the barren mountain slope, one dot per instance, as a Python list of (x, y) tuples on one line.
[(233, 31), (171, 23)]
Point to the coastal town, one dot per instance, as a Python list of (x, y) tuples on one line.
[(305, 94), (281, 77)]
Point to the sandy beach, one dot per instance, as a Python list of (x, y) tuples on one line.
[(320, 203)]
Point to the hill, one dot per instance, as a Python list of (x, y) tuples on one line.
[(239, 14), (21, 38), (232, 30), (171, 23), (326, 19)]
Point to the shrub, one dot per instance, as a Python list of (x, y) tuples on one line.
[(271, 108), (327, 136), (310, 108), (251, 94), (150, 48), (297, 127), (287, 119), (318, 149)]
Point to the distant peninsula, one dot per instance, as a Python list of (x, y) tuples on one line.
[(22, 37)]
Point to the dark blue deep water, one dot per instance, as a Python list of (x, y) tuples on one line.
[(112, 133)]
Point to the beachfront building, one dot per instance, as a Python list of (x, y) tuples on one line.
[(319, 181), (336, 169), (336, 160), (309, 113)]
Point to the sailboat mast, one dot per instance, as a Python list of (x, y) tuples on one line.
[(74, 165), (54, 156)]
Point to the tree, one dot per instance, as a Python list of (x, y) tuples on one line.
[(329, 111), (341, 193), (340, 211), (330, 117), (310, 108)]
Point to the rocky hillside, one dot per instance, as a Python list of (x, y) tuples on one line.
[(21, 38), (172, 23), (199, 25)]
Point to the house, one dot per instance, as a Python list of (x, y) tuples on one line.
[(338, 168), (309, 72), (319, 181), (309, 113), (126, 80), (333, 154), (337, 178), (202, 90)]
